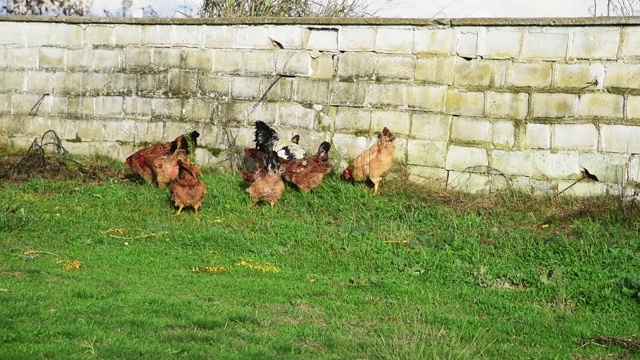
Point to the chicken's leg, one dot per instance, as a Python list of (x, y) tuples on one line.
[(180, 210), (195, 207)]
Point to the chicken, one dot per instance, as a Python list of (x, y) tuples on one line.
[(267, 182), (165, 167), (372, 164), (267, 140), (141, 162), (186, 188), (307, 173)]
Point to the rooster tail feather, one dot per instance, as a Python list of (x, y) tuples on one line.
[(265, 136)]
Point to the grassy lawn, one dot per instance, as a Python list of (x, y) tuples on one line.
[(105, 270)]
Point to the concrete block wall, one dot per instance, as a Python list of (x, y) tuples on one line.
[(475, 104)]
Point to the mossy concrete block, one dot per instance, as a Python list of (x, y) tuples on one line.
[(395, 40), (633, 107), (151, 84), (21, 104), (186, 36), (574, 136), (86, 108), (39, 82), (219, 36), (5, 105), (286, 36), (79, 59), (121, 83), (136, 58), (473, 73), (357, 65), (246, 87), (126, 35), (352, 119), (538, 74), (156, 35), (600, 43), (437, 70), (583, 188), (296, 115), (620, 138), (24, 58), (138, 106), (395, 67), (467, 42), (67, 35), (601, 105), (466, 103), (259, 62), (197, 109), (321, 38), (228, 62), (12, 33), (265, 111), (383, 95), (100, 35), (504, 134), (429, 126), (215, 86), (622, 75), (609, 168), (308, 91), (13, 80), (540, 44), (89, 130), (36, 126), (349, 146), (427, 175), (630, 46), (505, 105), (348, 94), (461, 158), (553, 105), (171, 108), (399, 122), (182, 82), (426, 97), (51, 58), (510, 163), (9, 127), (559, 165), (433, 41), (427, 153), (282, 89), (120, 130), (465, 129), (103, 59), (501, 43), (579, 76), (323, 66), (164, 59), (537, 136), (356, 38), (109, 106), (174, 129), (293, 63), (198, 59), (469, 182), (94, 83), (253, 37)]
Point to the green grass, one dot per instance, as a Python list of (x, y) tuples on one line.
[(408, 274)]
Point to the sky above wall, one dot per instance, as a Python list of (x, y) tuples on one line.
[(406, 8)]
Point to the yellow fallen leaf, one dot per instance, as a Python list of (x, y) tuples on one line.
[(72, 265)]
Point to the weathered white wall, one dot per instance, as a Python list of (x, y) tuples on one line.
[(534, 100)]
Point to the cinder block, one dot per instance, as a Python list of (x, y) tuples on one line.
[(383, 95), (293, 63), (513, 162), (164, 59), (125, 35), (504, 134), (137, 106), (288, 36), (433, 41), (622, 75), (198, 110), (574, 137), (633, 107), (438, 70), (9, 127), (323, 66), (79, 60), (579, 75), (99, 35), (321, 38), (427, 126), (620, 138), (167, 108), (469, 182), (246, 87), (36, 34), (215, 86), (174, 129), (549, 105), (545, 45), (35, 126), (583, 188), (396, 40), (307, 91), (395, 67), (353, 65), (356, 38), (134, 57), (467, 42), (156, 35), (348, 94), (67, 35), (198, 59), (122, 84), (601, 105), (507, 105), (595, 43), (295, 115), (227, 62), (538, 136), (94, 83), (430, 176), (150, 84), (253, 37), (471, 130), (5, 105), (352, 119), (120, 130), (427, 153), (461, 158), (24, 58), (12, 33), (259, 62), (106, 59), (501, 43), (560, 165), (39, 82), (51, 58), (86, 108), (608, 167), (219, 36), (399, 122), (530, 74), (426, 97), (265, 111), (349, 146), (473, 73), (186, 36), (182, 82), (5, 58), (281, 90), (630, 47), (465, 103), (13, 80), (109, 106)]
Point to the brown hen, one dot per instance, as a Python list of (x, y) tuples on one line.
[(307, 173), (165, 168), (186, 188), (267, 182), (372, 164)]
